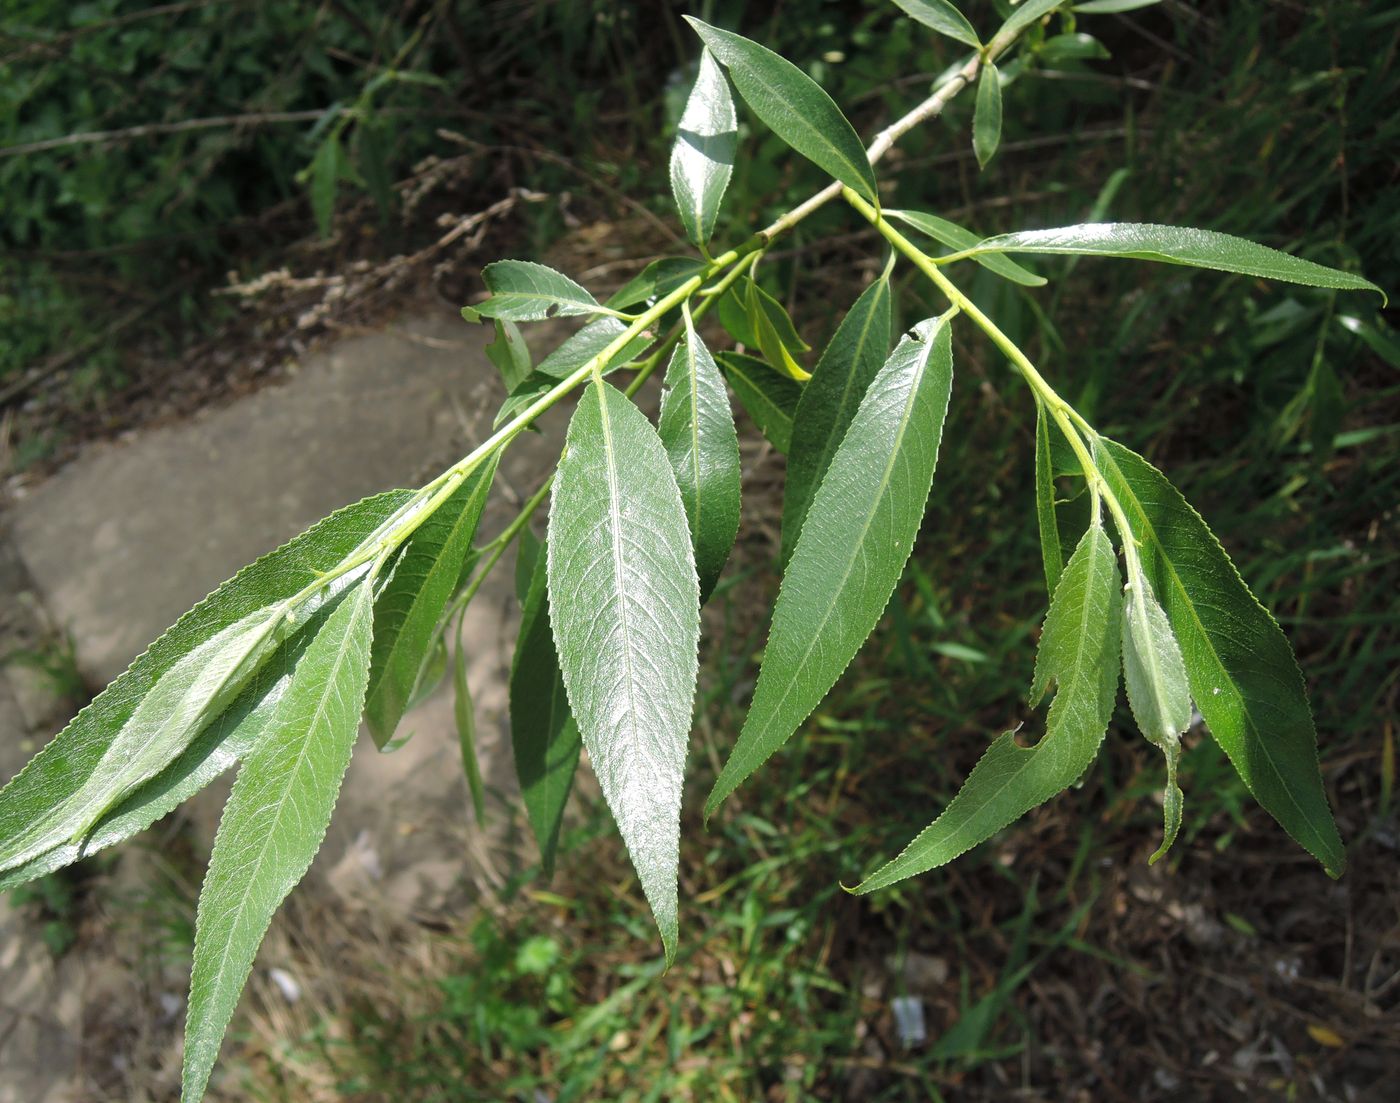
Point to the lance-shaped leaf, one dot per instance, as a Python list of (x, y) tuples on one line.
[(776, 335), (830, 399), (464, 713), (703, 157), (943, 17), (1155, 674), (854, 544), (794, 106), (986, 119), (509, 353), (70, 763), (543, 734), (733, 313), (697, 427), (657, 280), (770, 399), (273, 823), (190, 694), (625, 606), (407, 612), (1079, 654), (589, 342), (523, 291), (1051, 553), (1112, 7), (1241, 671), (1175, 245), (1023, 15), (960, 238)]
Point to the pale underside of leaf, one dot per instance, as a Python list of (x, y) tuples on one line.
[(855, 541), (1242, 673), (1155, 675), (1079, 655), (273, 824), (69, 761), (624, 602)]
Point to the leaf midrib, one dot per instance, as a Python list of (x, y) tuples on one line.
[(1247, 713), (876, 500)]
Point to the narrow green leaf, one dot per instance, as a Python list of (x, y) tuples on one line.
[(1112, 7), (1079, 655), (191, 694), (1155, 674), (777, 336), (69, 763), (407, 611), (273, 824), (770, 399), (527, 555), (794, 106), (625, 606), (464, 713), (1051, 553), (697, 427), (956, 237), (509, 353), (542, 729), (703, 157), (1061, 48), (986, 119), (1175, 245), (325, 175), (581, 347), (733, 313), (657, 280), (943, 17), (1241, 671), (523, 291), (830, 399), (1025, 13), (854, 544)]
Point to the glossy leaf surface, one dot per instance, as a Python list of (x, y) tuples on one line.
[(1241, 671), (830, 399), (625, 607), (523, 291), (70, 761), (959, 238), (770, 399), (702, 159), (1155, 674), (1176, 245), (776, 335), (407, 612), (854, 544), (943, 17), (794, 106), (697, 427), (274, 822), (1079, 655), (543, 734)]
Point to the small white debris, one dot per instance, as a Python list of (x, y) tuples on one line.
[(909, 1020), (170, 1005), (286, 984)]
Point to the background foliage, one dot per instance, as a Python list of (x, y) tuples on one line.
[(1275, 409)]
